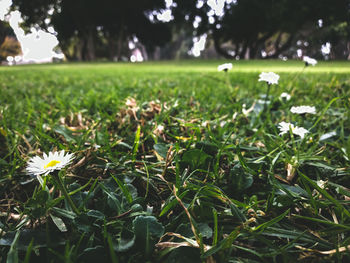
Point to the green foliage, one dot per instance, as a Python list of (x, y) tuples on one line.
[(172, 167)]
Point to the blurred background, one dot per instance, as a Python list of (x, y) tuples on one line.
[(42, 31)]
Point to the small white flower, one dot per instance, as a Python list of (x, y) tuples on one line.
[(96, 146), (285, 126), (262, 102), (225, 67), (327, 135), (205, 124), (49, 163), (285, 96), (321, 184), (303, 109), (270, 77), (300, 131), (309, 61), (160, 128)]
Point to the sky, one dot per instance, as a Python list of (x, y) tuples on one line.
[(37, 46)]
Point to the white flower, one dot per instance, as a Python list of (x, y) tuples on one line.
[(262, 102), (309, 61), (327, 135), (303, 109), (321, 184), (160, 128), (222, 124), (225, 67), (285, 126), (51, 162), (270, 78), (300, 131), (285, 96), (205, 123)]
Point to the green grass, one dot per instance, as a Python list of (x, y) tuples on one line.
[(214, 185)]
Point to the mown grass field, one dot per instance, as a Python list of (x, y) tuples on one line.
[(176, 162)]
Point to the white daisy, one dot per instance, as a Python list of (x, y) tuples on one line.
[(300, 131), (225, 67), (285, 126), (309, 61), (270, 77), (51, 162), (285, 96), (303, 109)]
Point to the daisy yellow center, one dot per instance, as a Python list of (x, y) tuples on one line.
[(51, 164)]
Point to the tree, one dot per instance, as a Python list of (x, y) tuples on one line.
[(248, 28), (2, 32), (80, 24), (9, 46)]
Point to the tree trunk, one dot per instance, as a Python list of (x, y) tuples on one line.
[(120, 45), (220, 50), (2, 32), (285, 46), (111, 47), (256, 47), (244, 50), (90, 45), (79, 50)]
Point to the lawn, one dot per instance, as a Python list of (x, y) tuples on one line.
[(175, 161)]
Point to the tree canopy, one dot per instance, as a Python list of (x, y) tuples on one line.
[(89, 29), (83, 24), (250, 28)]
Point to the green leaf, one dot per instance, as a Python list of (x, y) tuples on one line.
[(124, 189), (146, 230), (207, 147), (59, 223), (186, 231), (124, 243), (172, 203), (325, 194), (64, 213), (223, 244), (41, 197), (324, 111), (111, 249), (27, 235), (240, 180), (237, 213), (161, 149), (66, 133), (271, 222), (136, 142), (195, 159), (96, 214), (205, 230), (29, 251), (12, 256), (147, 224)]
